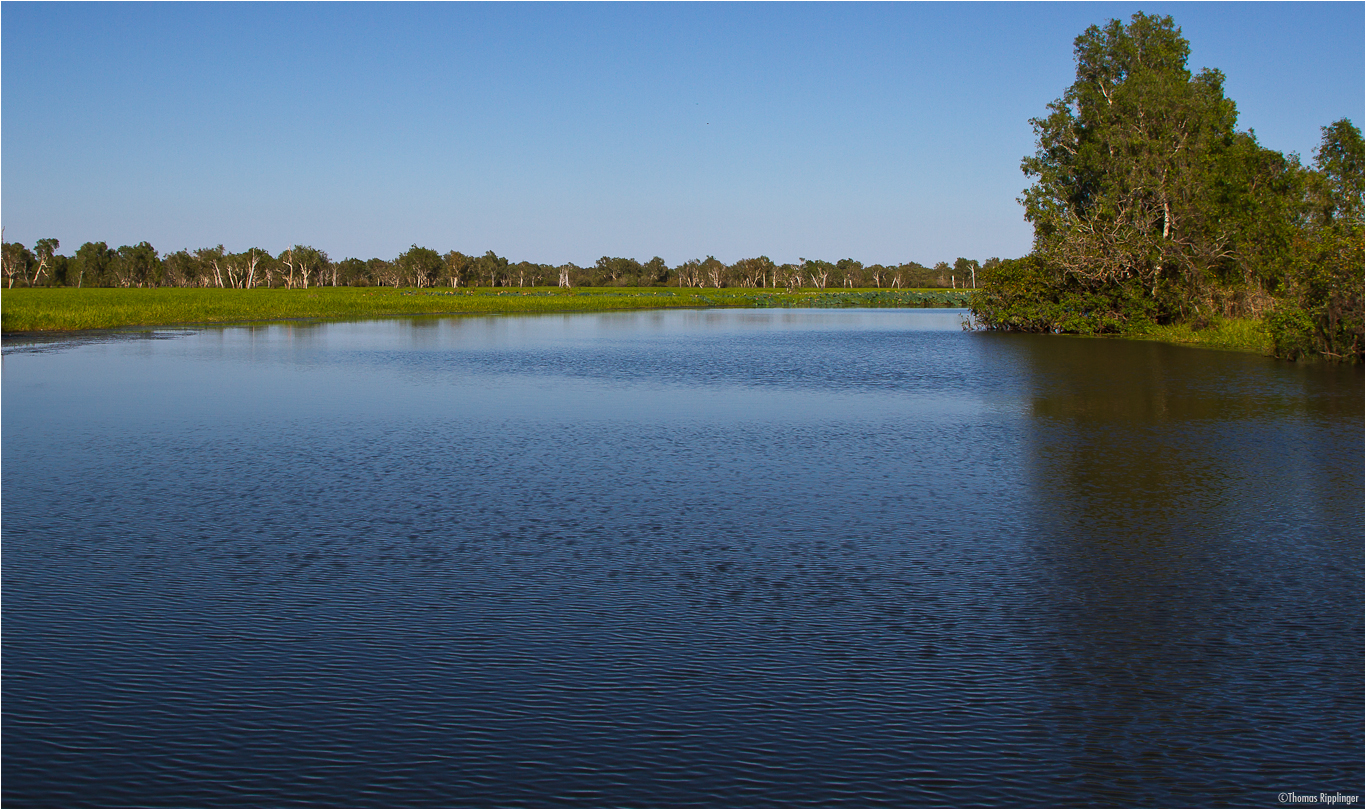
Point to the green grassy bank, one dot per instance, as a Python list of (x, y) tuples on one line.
[(1237, 334), (64, 308)]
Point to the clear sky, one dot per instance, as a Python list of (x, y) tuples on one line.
[(885, 132)]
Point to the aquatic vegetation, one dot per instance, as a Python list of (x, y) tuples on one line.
[(1241, 334)]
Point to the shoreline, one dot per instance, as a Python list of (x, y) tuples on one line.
[(65, 309), (55, 311)]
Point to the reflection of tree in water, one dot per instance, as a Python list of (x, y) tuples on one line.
[(1196, 522)]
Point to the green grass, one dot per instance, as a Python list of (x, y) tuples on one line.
[(1237, 334), (64, 309)]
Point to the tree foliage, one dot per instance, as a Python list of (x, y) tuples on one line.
[(420, 267), (1149, 206), (304, 266), (1129, 164), (1321, 312)]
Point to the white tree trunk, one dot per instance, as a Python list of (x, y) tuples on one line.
[(42, 265)]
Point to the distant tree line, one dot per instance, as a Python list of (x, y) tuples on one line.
[(95, 264), (1149, 207)]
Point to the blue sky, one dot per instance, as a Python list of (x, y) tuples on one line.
[(885, 132)]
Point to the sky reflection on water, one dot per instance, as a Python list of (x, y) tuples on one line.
[(666, 558)]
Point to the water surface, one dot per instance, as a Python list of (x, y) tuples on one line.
[(681, 558)]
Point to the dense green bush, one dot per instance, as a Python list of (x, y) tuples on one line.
[(1321, 312), (1029, 295), (1291, 331), (1320, 309)]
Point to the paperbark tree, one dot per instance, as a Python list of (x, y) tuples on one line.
[(137, 265), (456, 265), (307, 261), (44, 250), (15, 260), (655, 271), (966, 269), (93, 261), (714, 270), (1128, 166), (420, 266), (250, 260), (491, 265), (690, 274)]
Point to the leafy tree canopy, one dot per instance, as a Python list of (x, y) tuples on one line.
[(1148, 205)]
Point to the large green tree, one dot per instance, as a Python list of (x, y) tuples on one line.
[(1138, 169), (1149, 206)]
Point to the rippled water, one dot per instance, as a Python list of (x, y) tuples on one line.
[(717, 558)]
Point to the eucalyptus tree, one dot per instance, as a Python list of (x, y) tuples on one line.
[(255, 265), (491, 266), (45, 250), (966, 269), (236, 270), (383, 273), (819, 271), (352, 272), (713, 271), (137, 265), (848, 272), (93, 262), (616, 271), (420, 266), (753, 272), (917, 274), (213, 259), (655, 271), (182, 269), (270, 268), (304, 260), (15, 260), (456, 266), (874, 271), (529, 274), (689, 273)]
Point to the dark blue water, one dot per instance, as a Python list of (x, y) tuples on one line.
[(710, 558)]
